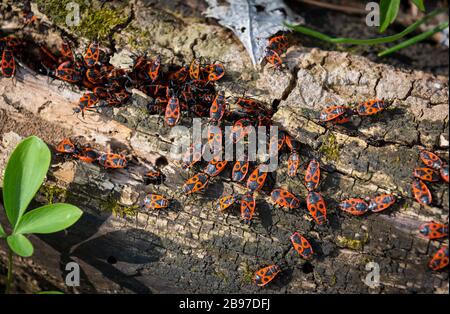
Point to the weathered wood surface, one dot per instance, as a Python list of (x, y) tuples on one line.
[(192, 247)]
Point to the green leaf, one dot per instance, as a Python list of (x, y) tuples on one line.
[(50, 292), (20, 245), (2, 232), (388, 13), (419, 4), (24, 174), (48, 219)]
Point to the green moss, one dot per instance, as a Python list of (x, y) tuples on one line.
[(365, 260), (330, 147), (317, 277), (117, 209), (221, 275), (247, 274), (366, 237), (308, 113), (138, 39), (194, 269), (99, 24), (353, 244), (95, 22), (56, 9), (53, 193), (333, 280)]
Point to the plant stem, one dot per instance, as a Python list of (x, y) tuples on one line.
[(372, 41), (336, 7), (414, 39), (10, 269)]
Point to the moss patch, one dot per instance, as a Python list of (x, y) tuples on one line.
[(117, 209), (138, 39), (99, 24), (95, 22), (352, 244), (330, 147), (194, 269), (53, 193), (56, 9), (333, 280), (247, 274), (221, 275), (309, 113)]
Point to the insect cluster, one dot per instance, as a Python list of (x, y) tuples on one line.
[(316, 206), (433, 231), (87, 154), (275, 48), (433, 170), (190, 89), (250, 114), (358, 206), (315, 203), (340, 114), (254, 180), (173, 89), (266, 274)]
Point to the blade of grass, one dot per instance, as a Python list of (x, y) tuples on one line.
[(2, 232), (414, 40), (389, 10), (10, 270), (419, 4), (372, 41)]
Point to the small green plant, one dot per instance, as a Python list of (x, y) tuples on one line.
[(24, 174), (330, 147), (118, 210), (247, 274), (388, 14)]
